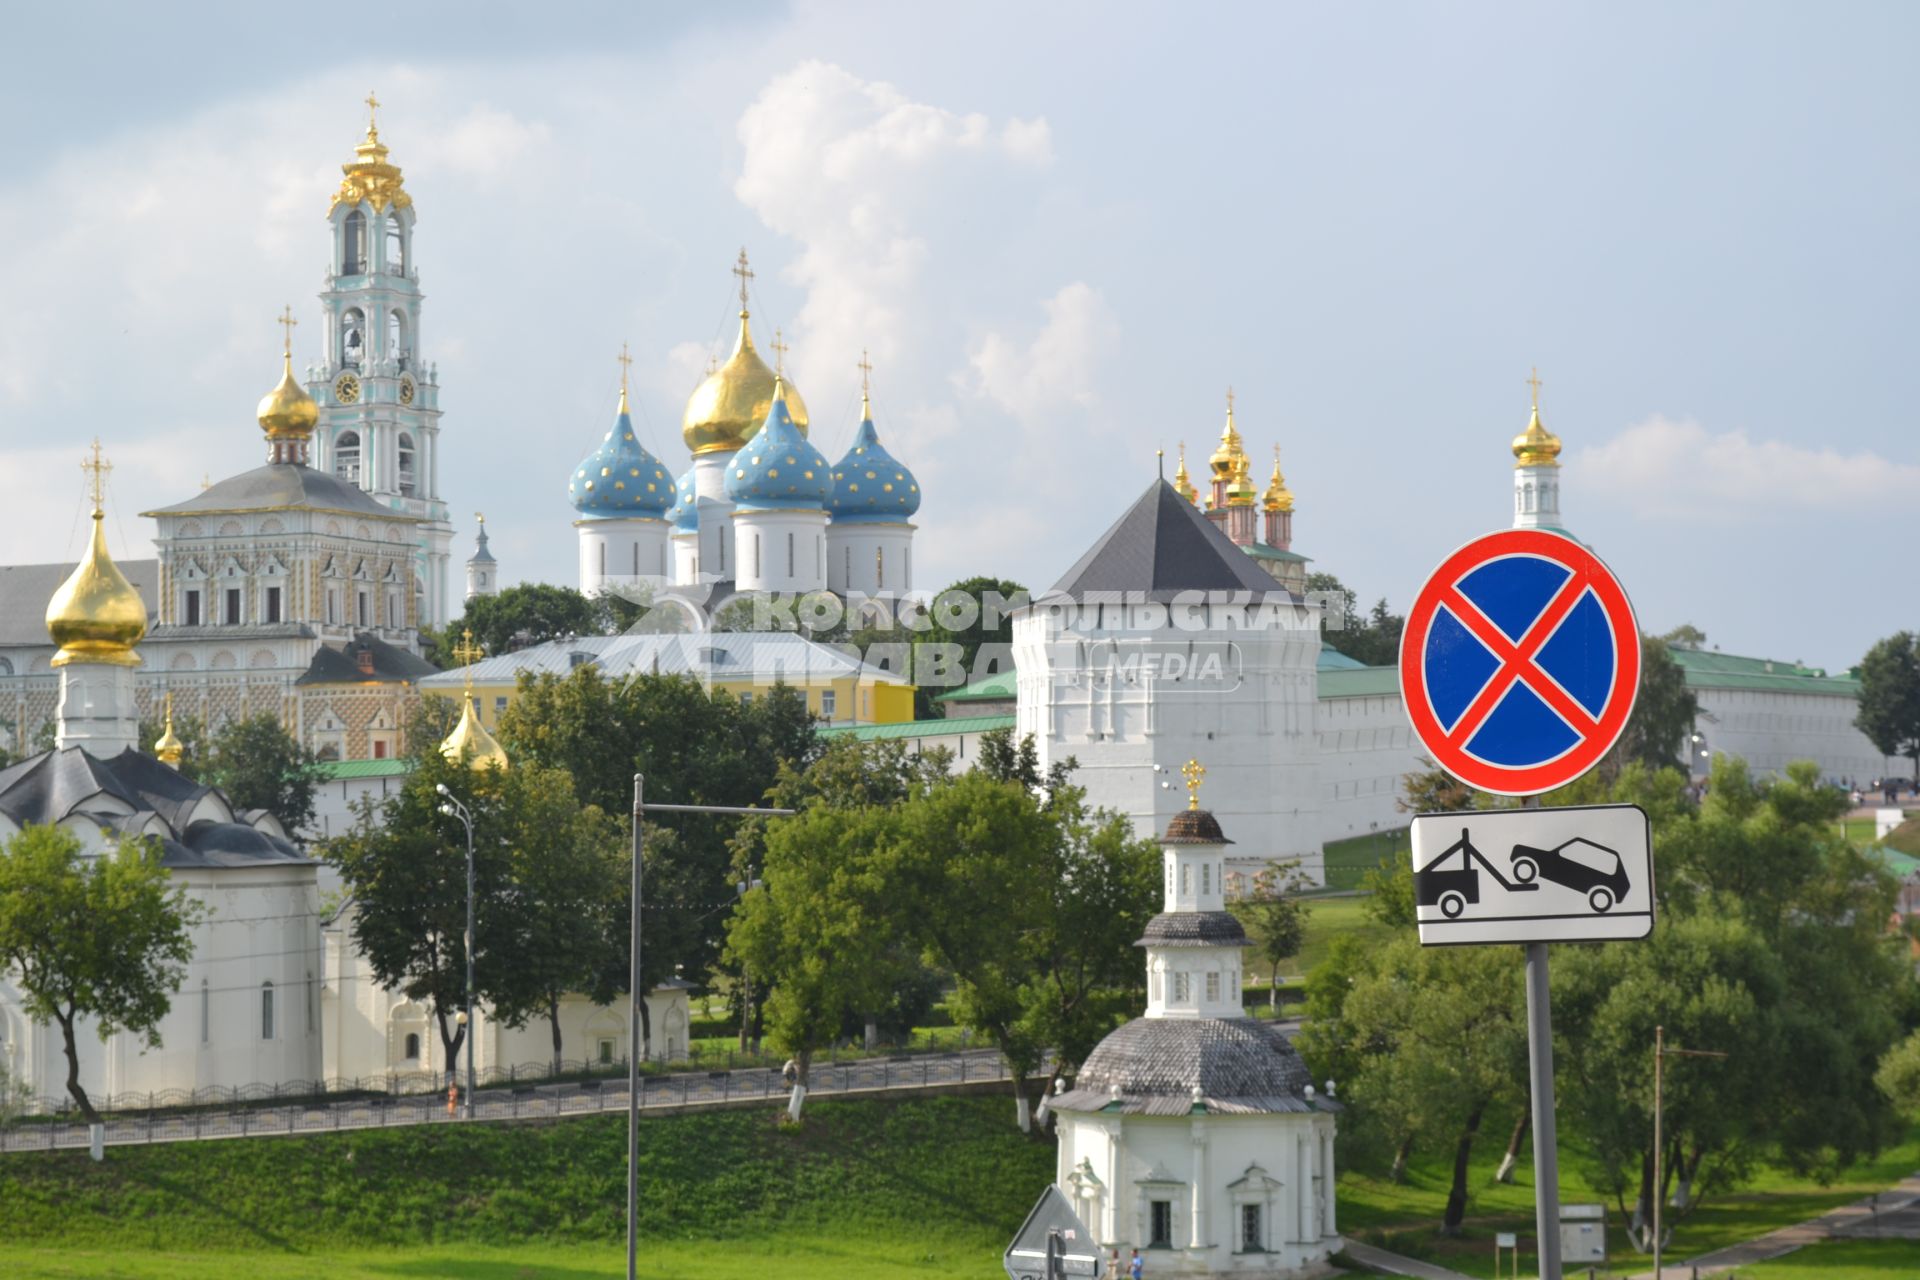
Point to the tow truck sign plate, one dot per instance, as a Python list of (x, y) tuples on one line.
[(1533, 875)]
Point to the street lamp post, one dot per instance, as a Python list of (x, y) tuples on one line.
[(452, 807), (640, 809), (1660, 1052)]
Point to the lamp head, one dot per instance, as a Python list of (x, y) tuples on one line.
[(441, 787), (447, 809)]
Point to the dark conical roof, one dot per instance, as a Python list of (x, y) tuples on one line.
[(1152, 1066), (1161, 548)]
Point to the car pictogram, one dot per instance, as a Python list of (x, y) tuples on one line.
[(1578, 864)]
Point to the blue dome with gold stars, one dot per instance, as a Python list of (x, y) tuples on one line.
[(869, 485), (620, 478), (686, 504), (777, 469)]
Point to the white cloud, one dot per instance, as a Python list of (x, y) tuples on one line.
[(1056, 369), (1661, 466), (486, 143)]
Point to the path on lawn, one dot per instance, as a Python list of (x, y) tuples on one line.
[(1395, 1264), (1856, 1221), (691, 1090)]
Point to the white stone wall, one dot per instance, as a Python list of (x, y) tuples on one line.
[(621, 550), (780, 550), (1366, 748), (869, 558), (1772, 730)]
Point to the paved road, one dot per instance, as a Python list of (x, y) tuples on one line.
[(522, 1102), (1854, 1219), (1395, 1264)]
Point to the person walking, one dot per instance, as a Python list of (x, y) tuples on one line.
[(1136, 1268)]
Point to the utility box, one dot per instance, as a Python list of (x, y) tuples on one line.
[(1583, 1233)]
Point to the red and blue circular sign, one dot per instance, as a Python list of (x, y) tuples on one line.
[(1520, 662)]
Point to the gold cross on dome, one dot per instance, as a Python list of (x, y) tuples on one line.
[(626, 362), (373, 105), (1536, 384), (1229, 402), (745, 273), (866, 372), (1194, 772), (779, 355), (96, 466), (286, 322), (466, 653)]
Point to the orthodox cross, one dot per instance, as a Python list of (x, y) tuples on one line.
[(1229, 402), (96, 466), (779, 355), (745, 273), (466, 653), (1194, 772), (866, 373), (626, 362), (286, 323), (373, 105), (1535, 383)]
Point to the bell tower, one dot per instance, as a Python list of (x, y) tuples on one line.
[(379, 400)]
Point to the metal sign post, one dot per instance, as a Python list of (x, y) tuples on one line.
[(1519, 666), (634, 1045)]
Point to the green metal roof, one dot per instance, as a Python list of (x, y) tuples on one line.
[(1359, 682), (993, 688), (1711, 669), (918, 728), (1261, 551), (337, 770)]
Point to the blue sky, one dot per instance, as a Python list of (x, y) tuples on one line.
[(1063, 230)]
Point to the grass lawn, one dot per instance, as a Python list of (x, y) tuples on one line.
[(1327, 919), (1347, 861), (1843, 1260), (1403, 1217)]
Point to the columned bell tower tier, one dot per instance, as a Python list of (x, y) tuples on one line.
[(379, 400)]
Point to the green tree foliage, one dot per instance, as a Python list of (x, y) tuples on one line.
[(1890, 697), (1372, 638), (106, 938), (977, 634), (528, 613), (1686, 636), (192, 732), (1275, 917), (1898, 1076), (1663, 711), (259, 765)]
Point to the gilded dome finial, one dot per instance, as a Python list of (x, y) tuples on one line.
[(96, 615), (1536, 446), (373, 122), (626, 362), (866, 385), (730, 405), (470, 740), (287, 413), (1195, 773), (1277, 497), (741, 269), (779, 349), (1182, 481), (169, 748)]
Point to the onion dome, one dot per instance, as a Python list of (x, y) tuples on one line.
[(686, 504), (368, 175), (287, 413), (96, 615), (869, 485), (1183, 482), (169, 748), (1277, 497), (471, 742), (779, 469), (732, 402), (1230, 456), (1536, 446), (620, 478)]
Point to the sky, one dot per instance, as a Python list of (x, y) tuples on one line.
[(1062, 231)]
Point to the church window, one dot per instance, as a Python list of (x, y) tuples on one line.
[(1181, 991), (379, 748), (756, 555), (1250, 1233), (1186, 879), (1160, 1224), (1213, 986), (407, 485), (789, 553), (826, 705), (266, 1011), (361, 607), (346, 457), (499, 705), (233, 606), (333, 606), (879, 568), (353, 256), (396, 248), (723, 553), (353, 338), (193, 609), (849, 568), (605, 1052), (412, 1049), (206, 1012), (6, 666), (906, 566), (273, 604), (603, 559), (393, 609), (1206, 877), (636, 559), (746, 697)]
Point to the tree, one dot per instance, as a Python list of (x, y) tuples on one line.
[(1372, 639), (192, 732), (104, 937), (1898, 1076), (1686, 636), (1890, 697), (1276, 917), (1663, 712), (528, 613), (259, 765), (565, 873), (985, 622)]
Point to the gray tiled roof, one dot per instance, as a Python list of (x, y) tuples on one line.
[(278, 485), (1193, 929), (26, 588), (1238, 1064), (1160, 549), (761, 656)]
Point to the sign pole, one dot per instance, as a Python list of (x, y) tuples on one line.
[(1546, 1152)]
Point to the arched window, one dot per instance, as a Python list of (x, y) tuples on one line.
[(6, 666), (353, 337), (346, 456), (413, 1046), (397, 338), (353, 250), (396, 247), (406, 465), (266, 1011)]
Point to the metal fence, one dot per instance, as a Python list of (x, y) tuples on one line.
[(505, 1100)]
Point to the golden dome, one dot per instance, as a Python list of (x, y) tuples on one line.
[(169, 748), (1182, 482), (728, 407), (1230, 456), (368, 176), (287, 412), (471, 742), (1536, 446), (96, 615), (1277, 497)]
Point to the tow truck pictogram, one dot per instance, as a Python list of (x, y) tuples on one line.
[(1454, 889)]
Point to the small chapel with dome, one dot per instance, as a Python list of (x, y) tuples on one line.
[(760, 508)]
